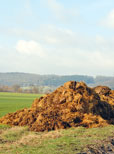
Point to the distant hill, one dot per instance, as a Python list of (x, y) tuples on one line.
[(103, 80), (28, 79)]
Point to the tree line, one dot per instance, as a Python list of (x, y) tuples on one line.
[(31, 89)]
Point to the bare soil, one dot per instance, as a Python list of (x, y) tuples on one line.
[(101, 147)]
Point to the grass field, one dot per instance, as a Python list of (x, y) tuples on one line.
[(11, 102), (18, 140)]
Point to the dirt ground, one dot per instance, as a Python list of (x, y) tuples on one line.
[(101, 147)]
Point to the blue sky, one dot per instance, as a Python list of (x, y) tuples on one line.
[(57, 36)]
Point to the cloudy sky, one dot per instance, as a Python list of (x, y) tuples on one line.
[(57, 36)]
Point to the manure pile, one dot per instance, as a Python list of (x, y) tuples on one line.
[(71, 105)]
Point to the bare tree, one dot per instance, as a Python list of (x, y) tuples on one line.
[(16, 88)]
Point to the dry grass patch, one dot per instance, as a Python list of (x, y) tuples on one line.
[(30, 139), (13, 134), (33, 138), (52, 134)]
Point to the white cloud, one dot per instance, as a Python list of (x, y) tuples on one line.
[(57, 36), (60, 11), (100, 39), (30, 48), (109, 20), (65, 51), (27, 8), (55, 6)]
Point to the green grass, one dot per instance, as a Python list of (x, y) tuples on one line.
[(11, 102), (18, 140)]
